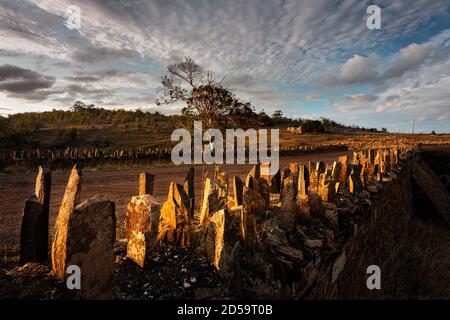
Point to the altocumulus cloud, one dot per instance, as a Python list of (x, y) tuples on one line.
[(288, 54)]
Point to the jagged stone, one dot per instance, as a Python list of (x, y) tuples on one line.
[(189, 188), (30, 232), (252, 202), (294, 168), (303, 180), (265, 193), (70, 200), (332, 216), (43, 191), (141, 226), (320, 168), (303, 207), (387, 160), (272, 235), (91, 233), (237, 190), (371, 156), (146, 183), (326, 188), (275, 182), (174, 223), (220, 177), (354, 181), (313, 244), (336, 171), (288, 203), (222, 236), (214, 199), (370, 171), (315, 204), (313, 178), (249, 233), (343, 160), (290, 252), (253, 178), (265, 171), (394, 157), (327, 192)]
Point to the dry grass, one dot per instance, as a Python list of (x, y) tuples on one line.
[(421, 268)]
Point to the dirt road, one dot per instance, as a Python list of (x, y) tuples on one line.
[(119, 186)]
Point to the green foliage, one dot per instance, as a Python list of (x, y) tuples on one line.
[(82, 115), (312, 126)]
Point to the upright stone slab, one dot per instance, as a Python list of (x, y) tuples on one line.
[(294, 168), (220, 176), (324, 188), (313, 178), (379, 160), (222, 235), (264, 192), (189, 188), (275, 182), (30, 231), (328, 192), (237, 190), (265, 172), (70, 200), (321, 167), (355, 157), (371, 156), (387, 160), (214, 199), (303, 180), (343, 160), (336, 171), (141, 226), (363, 175), (394, 157), (362, 157), (91, 233), (302, 206), (251, 213), (370, 171), (252, 202), (174, 224), (253, 178), (146, 183), (355, 183), (288, 204), (43, 191)]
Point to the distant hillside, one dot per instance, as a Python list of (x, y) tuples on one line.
[(98, 127)]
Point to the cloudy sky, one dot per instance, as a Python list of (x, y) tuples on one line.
[(308, 58)]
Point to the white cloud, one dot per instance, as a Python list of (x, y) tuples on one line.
[(410, 58), (270, 51)]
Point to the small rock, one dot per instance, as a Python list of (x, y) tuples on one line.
[(313, 243), (186, 285), (193, 280)]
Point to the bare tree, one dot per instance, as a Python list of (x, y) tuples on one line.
[(206, 98)]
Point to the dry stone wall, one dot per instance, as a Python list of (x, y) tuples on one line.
[(308, 231)]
